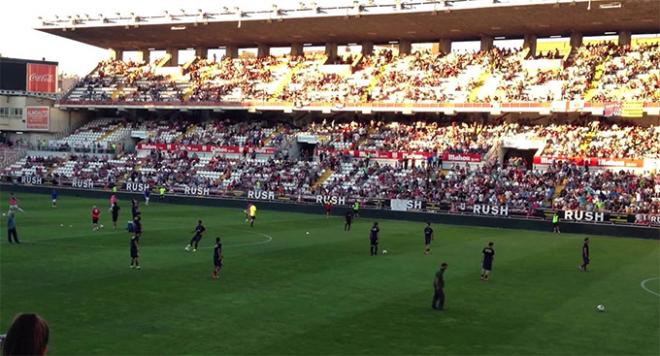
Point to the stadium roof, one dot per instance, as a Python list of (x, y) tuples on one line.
[(417, 21)]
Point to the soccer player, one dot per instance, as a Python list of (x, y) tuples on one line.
[(115, 214), (13, 203), (373, 239), (113, 199), (328, 209), (194, 242), (147, 194), (162, 191), (439, 288), (11, 226), (356, 209), (135, 208), (349, 221), (53, 198), (487, 262), (585, 255), (217, 258), (428, 237), (555, 222), (253, 214), (96, 214), (135, 243)]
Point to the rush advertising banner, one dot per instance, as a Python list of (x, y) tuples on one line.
[(41, 78), (37, 118), (584, 216), (405, 205), (593, 162), (202, 148)]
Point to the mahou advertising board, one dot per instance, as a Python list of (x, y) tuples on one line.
[(41, 78), (37, 118)]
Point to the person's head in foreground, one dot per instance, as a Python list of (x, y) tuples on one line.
[(27, 335)]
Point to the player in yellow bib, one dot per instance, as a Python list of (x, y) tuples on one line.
[(252, 212)]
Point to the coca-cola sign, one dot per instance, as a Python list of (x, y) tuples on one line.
[(41, 78), (37, 117)]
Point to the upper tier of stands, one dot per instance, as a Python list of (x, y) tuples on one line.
[(600, 71)]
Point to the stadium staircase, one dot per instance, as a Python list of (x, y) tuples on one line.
[(161, 62), (558, 188), (372, 84), (284, 82), (598, 73), (326, 174), (478, 84), (107, 134)]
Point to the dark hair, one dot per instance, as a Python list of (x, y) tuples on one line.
[(217, 239), (490, 244), (27, 335), (444, 264), (199, 221), (428, 223), (586, 239)]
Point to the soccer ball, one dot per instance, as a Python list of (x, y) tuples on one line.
[(307, 233), (384, 252), (61, 225), (600, 308), (101, 226)]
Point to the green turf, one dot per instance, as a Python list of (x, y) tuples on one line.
[(321, 294)]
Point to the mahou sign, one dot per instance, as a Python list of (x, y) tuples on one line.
[(41, 78), (37, 117)]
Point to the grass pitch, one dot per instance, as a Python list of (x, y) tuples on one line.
[(285, 292)]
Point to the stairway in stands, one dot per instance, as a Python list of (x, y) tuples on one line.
[(326, 174)]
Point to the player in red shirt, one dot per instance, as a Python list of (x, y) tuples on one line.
[(328, 209), (96, 214)]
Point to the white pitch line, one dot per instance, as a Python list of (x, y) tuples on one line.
[(643, 285)]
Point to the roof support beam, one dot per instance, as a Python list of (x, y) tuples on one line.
[(174, 57), (116, 54), (530, 43), (405, 47), (297, 49), (263, 51), (202, 52), (442, 46), (576, 39), (486, 43), (625, 37), (367, 48), (231, 52), (331, 52)]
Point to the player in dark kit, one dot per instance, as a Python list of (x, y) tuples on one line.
[(585, 255), (135, 252), (439, 288), (349, 221), (428, 237), (96, 214), (194, 242), (487, 263), (217, 258), (373, 239), (135, 243), (114, 211), (53, 198), (135, 208)]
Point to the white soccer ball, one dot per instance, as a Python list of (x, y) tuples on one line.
[(101, 225), (61, 225), (384, 252), (600, 308), (307, 233)]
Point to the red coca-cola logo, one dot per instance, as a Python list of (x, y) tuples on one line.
[(41, 78)]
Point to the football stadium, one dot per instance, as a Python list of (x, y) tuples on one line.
[(368, 177)]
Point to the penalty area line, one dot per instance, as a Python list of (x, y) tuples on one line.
[(643, 285)]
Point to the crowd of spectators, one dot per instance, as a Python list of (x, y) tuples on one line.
[(625, 73)]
